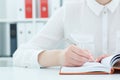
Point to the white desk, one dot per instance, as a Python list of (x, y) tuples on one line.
[(15, 73)]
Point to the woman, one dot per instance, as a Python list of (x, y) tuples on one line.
[(93, 25)]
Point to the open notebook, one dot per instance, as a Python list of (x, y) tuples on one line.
[(108, 65)]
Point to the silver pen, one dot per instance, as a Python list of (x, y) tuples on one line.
[(76, 43), (71, 42)]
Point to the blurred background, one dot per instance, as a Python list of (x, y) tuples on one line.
[(20, 20)]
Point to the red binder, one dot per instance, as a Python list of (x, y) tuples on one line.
[(28, 8), (44, 8)]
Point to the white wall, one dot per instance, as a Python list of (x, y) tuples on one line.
[(8, 9), (2, 9), (11, 10)]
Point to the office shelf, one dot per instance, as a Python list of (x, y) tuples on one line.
[(12, 14), (23, 20), (11, 21), (5, 58), (41, 20), (6, 61)]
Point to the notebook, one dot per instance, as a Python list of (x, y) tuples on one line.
[(108, 65)]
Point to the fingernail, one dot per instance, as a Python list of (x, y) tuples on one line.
[(96, 60)]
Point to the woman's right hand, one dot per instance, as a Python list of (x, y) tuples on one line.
[(73, 56)]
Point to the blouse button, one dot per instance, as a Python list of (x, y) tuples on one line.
[(104, 12)]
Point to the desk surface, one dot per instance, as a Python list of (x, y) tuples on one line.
[(15, 73)]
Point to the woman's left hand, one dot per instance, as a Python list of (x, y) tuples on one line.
[(102, 57)]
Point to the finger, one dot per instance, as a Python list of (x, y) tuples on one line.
[(78, 57), (75, 60), (91, 56), (75, 63), (100, 58), (87, 55), (80, 52)]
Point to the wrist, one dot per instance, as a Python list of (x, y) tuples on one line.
[(61, 57), (40, 56), (51, 58)]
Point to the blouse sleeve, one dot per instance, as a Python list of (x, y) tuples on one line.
[(27, 54)]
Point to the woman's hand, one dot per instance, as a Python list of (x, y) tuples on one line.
[(74, 56), (71, 56), (102, 57)]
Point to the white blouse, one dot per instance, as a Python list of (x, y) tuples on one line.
[(92, 26)]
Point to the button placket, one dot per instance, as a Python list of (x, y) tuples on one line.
[(105, 30)]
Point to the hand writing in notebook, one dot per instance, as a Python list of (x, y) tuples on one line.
[(74, 56), (108, 65)]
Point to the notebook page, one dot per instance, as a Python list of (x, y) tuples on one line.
[(106, 61), (87, 67)]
